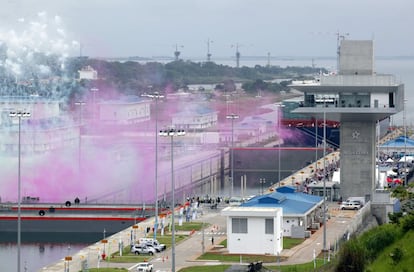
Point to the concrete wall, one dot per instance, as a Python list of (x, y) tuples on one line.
[(356, 57), (357, 159), (288, 224), (123, 114), (360, 219), (382, 205)]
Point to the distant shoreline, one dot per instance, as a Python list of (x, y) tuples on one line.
[(245, 58)]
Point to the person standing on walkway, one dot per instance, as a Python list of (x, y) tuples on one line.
[(212, 240)]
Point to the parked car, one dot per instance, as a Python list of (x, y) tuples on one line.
[(350, 205), (145, 267), (153, 242), (142, 249), (156, 248)]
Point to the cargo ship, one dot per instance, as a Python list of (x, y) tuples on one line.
[(308, 131), (85, 221)]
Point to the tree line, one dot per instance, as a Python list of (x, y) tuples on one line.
[(61, 80)]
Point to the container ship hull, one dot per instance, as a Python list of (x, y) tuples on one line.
[(306, 135), (38, 220)]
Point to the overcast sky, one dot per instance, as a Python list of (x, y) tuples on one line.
[(115, 28)]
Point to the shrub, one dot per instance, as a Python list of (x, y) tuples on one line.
[(395, 217), (396, 255), (407, 222), (351, 257), (375, 240)]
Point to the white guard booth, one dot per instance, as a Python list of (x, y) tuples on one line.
[(254, 230)]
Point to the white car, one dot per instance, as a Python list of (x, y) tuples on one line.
[(145, 267), (350, 205), (142, 249), (153, 243), (157, 249)]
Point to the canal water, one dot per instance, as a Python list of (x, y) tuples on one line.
[(35, 256)]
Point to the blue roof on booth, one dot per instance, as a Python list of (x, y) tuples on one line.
[(401, 141), (286, 198)]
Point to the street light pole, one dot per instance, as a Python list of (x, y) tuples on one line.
[(19, 114), (405, 145), (262, 182), (279, 105), (316, 144), (94, 91), (80, 104), (156, 96), (171, 133), (232, 117), (324, 185)]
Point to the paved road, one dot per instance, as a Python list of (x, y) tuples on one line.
[(190, 249)]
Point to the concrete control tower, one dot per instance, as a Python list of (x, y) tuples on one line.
[(358, 98)]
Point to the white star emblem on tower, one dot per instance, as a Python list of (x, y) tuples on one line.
[(355, 134)]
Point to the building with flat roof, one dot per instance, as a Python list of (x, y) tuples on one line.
[(195, 117), (359, 98), (301, 211), (88, 72), (44, 129), (126, 110), (254, 230)]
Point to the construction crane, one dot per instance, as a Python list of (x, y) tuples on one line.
[(237, 55), (208, 50), (339, 38), (268, 59), (176, 52)]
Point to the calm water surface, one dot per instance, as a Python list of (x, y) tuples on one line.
[(34, 256)]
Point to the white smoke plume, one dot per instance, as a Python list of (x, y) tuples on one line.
[(23, 51)]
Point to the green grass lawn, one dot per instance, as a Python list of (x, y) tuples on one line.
[(107, 269), (166, 239), (289, 243), (246, 258), (128, 257), (384, 261), (205, 268), (189, 226), (224, 257)]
